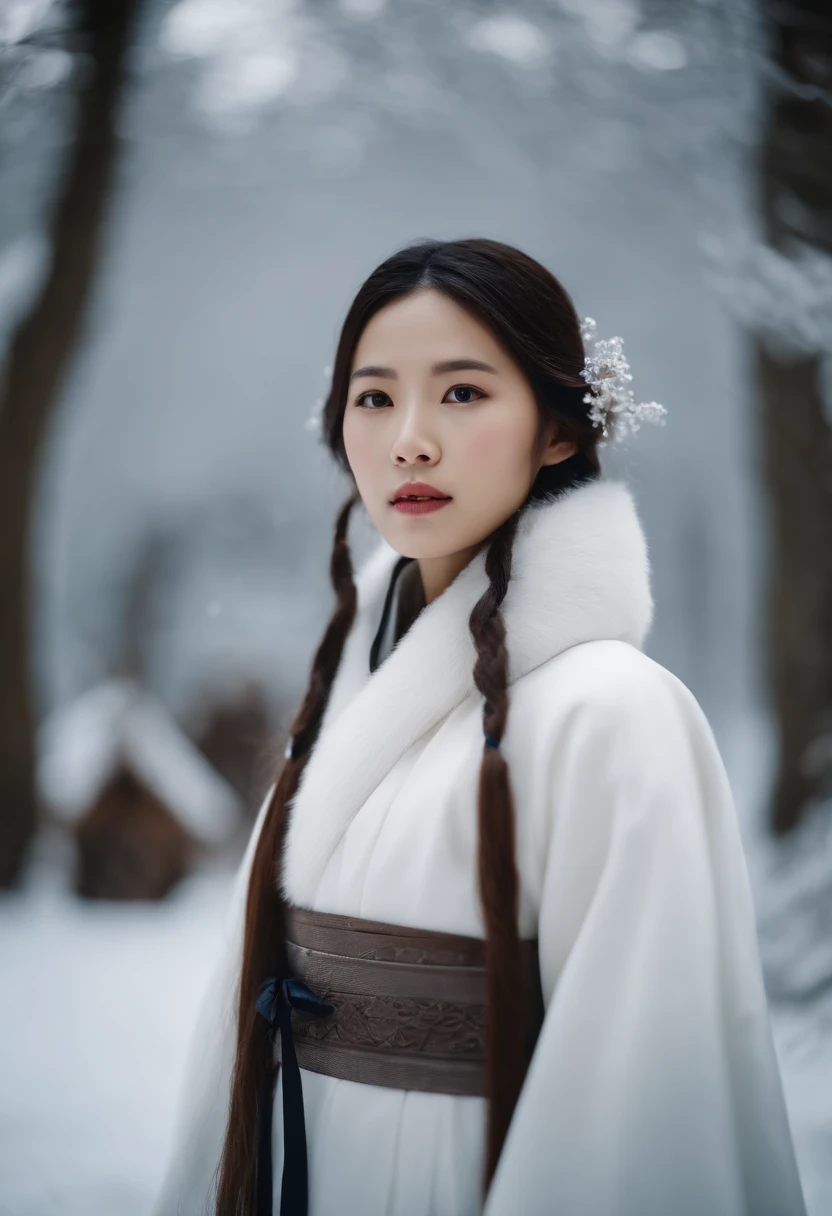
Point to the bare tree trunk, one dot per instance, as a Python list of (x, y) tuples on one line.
[(796, 189), (39, 357)]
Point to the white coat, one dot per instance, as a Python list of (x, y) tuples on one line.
[(654, 1088)]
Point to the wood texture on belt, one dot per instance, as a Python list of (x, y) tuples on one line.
[(356, 937), (409, 1003)]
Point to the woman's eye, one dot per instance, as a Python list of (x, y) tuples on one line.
[(467, 392), (377, 400)]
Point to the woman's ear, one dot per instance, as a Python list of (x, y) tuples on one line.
[(557, 449)]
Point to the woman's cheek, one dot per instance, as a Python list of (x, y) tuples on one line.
[(361, 456), (499, 449)]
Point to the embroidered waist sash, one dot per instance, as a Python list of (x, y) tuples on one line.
[(409, 1004), (380, 1004)]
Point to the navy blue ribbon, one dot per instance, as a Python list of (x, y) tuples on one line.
[(276, 1000), (491, 740)]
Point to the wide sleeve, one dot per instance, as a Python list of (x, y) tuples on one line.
[(189, 1185), (654, 1087)]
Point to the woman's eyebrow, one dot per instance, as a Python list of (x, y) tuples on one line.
[(385, 373), (450, 365), (462, 365)]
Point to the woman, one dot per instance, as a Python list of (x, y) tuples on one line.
[(495, 907)]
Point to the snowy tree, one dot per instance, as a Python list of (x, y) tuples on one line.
[(42, 346), (794, 355)]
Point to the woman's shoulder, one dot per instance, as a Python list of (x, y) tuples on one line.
[(608, 680), (605, 668), (604, 715)]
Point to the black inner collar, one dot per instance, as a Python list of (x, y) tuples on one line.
[(385, 613)]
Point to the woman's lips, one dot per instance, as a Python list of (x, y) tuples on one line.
[(415, 506)]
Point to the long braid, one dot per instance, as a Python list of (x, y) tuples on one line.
[(506, 1008), (264, 947)]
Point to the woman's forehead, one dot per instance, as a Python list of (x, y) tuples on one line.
[(422, 329)]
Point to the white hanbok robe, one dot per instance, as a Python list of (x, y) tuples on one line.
[(654, 1088)]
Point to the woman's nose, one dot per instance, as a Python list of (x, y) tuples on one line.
[(414, 443)]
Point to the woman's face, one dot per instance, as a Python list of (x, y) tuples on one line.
[(435, 398)]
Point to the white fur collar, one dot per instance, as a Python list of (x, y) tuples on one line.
[(580, 572)]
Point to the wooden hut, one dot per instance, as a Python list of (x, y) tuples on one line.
[(139, 797), (239, 739)]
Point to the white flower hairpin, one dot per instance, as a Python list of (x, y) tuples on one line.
[(315, 418), (612, 406)]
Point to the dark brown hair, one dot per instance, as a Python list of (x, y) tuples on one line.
[(534, 319)]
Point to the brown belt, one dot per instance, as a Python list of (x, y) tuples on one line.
[(408, 1004)]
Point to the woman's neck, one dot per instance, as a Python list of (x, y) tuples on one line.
[(439, 572)]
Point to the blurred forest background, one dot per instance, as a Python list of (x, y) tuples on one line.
[(190, 193)]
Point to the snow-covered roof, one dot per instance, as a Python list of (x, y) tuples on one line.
[(82, 744)]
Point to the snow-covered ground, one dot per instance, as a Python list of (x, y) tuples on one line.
[(803, 1037), (792, 880), (97, 1004)]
